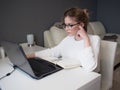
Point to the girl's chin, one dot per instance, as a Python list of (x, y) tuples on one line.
[(70, 35)]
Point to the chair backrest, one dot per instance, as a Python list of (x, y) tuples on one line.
[(48, 40), (98, 28), (107, 57), (89, 29), (53, 36)]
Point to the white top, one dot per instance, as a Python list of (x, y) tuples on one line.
[(69, 49)]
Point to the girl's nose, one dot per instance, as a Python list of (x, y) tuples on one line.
[(67, 29)]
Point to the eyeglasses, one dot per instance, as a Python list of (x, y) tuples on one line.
[(69, 25)]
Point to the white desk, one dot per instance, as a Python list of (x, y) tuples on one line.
[(72, 79), (31, 49)]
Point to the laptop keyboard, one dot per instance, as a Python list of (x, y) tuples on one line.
[(42, 67)]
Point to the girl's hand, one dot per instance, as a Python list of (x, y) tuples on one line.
[(82, 34), (31, 55)]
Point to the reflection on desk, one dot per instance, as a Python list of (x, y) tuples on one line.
[(71, 79)]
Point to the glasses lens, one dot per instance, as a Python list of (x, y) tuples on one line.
[(69, 25)]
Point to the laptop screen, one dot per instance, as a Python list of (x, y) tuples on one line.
[(17, 56)]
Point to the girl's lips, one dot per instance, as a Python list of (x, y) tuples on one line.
[(68, 32)]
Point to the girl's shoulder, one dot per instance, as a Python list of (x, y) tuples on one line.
[(68, 38), (95, 40), (94, 37)]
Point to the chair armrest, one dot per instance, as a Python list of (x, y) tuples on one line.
[(118, 36), (113, 37)]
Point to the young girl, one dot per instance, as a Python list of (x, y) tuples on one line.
[(78, 45)]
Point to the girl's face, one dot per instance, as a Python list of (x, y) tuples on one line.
[(71, 26)]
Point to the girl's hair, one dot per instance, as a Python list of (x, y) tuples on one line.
[(80, 15)]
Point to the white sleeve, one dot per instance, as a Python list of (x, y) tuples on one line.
[(89, 56), (51, 52)]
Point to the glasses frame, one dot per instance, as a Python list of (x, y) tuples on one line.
[(69, 25)]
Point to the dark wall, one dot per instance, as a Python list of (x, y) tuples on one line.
[(109, 14), (21, 17)]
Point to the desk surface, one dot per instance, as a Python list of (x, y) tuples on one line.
[(31, 49), (71, 79)]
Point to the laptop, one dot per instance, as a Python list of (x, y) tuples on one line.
[(35, 67)]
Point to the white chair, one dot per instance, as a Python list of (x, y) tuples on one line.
[(107, 58), (98, 28), (53, 36)]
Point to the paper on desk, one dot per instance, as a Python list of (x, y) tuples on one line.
[(50, 59), (65, 63)]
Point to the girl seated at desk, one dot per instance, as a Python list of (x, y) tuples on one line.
[(78, 45)]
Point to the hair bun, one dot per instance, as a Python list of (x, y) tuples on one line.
[(86, 12)]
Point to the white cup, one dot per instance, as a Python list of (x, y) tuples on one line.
[(30, 40)]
